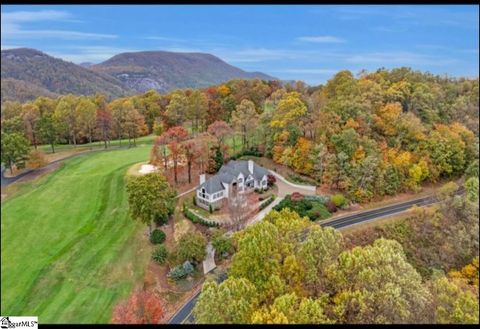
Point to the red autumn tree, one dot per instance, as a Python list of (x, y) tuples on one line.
[(104, 119), (192, 149), (219, 129), (141, 307), (174, 137)]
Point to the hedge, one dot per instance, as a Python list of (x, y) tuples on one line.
[(266, 203), (196, 219)]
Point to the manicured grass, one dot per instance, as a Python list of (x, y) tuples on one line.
[(148, 140), (69, 248)]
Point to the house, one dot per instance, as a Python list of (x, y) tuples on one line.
[(233, 177)]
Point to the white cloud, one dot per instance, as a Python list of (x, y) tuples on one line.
[(5, 47), (12, 26), (261, 54), (34, 16), (307, 71), (321, 39), (153, 37), (58, 34), (398, 58), (93, 54)]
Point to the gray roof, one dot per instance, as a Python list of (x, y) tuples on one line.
[(229, 172), (259, 172)]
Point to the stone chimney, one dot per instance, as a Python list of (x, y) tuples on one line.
[(202, 179), (250, 166)]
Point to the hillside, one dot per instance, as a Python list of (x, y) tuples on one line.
[(165, 71), (36, 73), (18, 90)]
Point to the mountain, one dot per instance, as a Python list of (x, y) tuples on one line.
[(29, 73), (18, 90), (35, 73), (164, 71), (86, 64)]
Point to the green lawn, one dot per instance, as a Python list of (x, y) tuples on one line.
[(69, 248), (96, 145)]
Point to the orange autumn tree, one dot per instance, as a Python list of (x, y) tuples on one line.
[(300, 157), (175, 136), (192, 149), (141, 307)]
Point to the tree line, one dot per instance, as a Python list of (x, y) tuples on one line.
[(379, 133)]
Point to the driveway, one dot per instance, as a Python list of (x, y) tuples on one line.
[(285, 187)]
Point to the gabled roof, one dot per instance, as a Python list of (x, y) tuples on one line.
[(229, 173), (259, 172)]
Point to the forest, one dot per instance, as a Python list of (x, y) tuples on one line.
[(376, 134), (288, 270)]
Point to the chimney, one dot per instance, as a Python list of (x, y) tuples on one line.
[(250, 166), (202, 179)]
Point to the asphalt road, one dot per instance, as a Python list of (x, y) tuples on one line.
[(184, 315)]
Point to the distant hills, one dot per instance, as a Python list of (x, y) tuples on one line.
[(43, 72), (28, 73), (164, 71)]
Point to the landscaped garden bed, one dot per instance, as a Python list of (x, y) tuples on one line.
[(312, 207)]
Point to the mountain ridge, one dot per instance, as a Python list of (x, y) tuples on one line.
[(28, 73), (164, 70)]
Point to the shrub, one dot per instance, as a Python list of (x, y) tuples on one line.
[(210, 209), (271, 180), (177, 273), (196, 219), (161, 219), (318, 211), (249, 152), (191, 247), (313, 208), (194, 200), (157, 236), (188, 267), (36, 159), (472, 170), (296, 196), (331, 207), (160, 254), (266, 203), (339, 200), (222, 244)]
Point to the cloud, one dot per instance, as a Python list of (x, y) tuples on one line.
[(321, 39), (5, 47), (164, 38), (57, 34), (307, 71), (12, 26), (35, 16), (398, 58), (93, 54)]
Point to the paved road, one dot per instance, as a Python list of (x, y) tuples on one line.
[(184, 315)]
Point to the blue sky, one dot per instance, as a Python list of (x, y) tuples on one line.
[(307, 43)]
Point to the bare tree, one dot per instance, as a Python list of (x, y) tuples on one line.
[(238, 208)]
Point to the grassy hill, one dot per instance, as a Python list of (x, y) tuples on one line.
[(72, 250), (164, 71), (36, 73)]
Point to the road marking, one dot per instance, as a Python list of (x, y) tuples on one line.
[(186, 317)]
